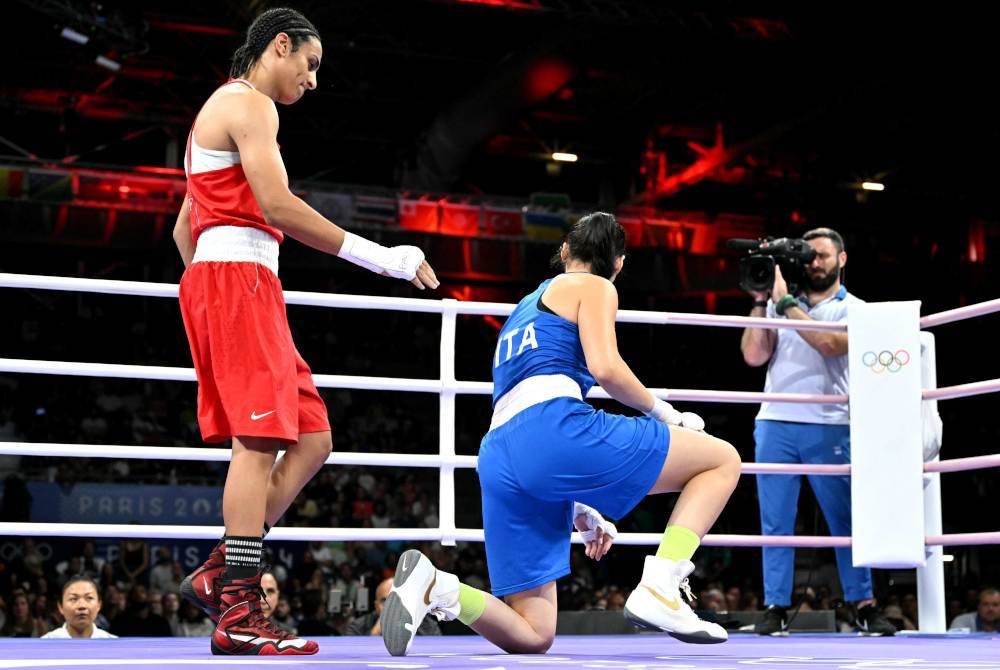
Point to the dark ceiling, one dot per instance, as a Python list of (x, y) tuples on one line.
[(470, 96)]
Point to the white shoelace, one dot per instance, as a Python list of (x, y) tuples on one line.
[(685, 588)]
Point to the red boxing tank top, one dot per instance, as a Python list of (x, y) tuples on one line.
[(218, 191)]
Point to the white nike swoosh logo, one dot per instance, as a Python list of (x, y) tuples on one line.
[(254, 416), (208, 591), (404, 564)]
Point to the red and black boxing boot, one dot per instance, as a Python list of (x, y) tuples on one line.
[(203, 587), (243, 630)]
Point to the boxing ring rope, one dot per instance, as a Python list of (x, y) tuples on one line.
[(447, 387), (434, 535), (358, 383), (163, 373), (960, 313), (382, 534), (212, 454)]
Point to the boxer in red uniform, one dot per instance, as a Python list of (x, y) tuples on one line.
[(253, 385)]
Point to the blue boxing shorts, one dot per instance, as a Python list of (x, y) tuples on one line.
[(537, 464)]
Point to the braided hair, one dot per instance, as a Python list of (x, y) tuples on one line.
[(597, 239), (262, 31)]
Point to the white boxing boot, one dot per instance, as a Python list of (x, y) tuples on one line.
[(418, 589), (656, 604)]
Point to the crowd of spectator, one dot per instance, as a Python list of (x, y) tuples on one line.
[(336, 588)]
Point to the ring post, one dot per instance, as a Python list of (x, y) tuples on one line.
[(930, 578), (446, 502)]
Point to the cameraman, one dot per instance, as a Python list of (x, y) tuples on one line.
[(814, 362)]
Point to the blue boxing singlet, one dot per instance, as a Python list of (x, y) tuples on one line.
[(536, 342)]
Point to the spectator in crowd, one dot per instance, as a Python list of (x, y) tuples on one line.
[(910, 610), (67, 569), (986, 618), (954, 608), (712, 600), (20, 622), (894, 613), (971, 599), (733, 597), (282, 616), (749, 602), (806, 362), (316, 622), (108, 577), (163, 576), (304, 570), (155, 600), (192, 622), (46, 611), (133, 562), (368, 624), (114, 604), (346, 583), (138, 619), (274, 606), (171, 609), (380, 515), (79, 606), (31, 559), (323, 555), (90, 563), (616, 600)]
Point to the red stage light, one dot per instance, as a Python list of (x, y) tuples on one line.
[(524, 5), (545, 78)]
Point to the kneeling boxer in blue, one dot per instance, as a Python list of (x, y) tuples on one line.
[(550, 461)]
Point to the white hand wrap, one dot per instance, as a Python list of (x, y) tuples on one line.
[(664, 412), (400, 262), (594, 520)]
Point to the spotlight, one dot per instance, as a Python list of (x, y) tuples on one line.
[(74, 36), (112, 65), (873, 186), (564, 157)]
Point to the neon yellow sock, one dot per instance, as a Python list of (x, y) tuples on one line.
[(473, 602), (678, 544)]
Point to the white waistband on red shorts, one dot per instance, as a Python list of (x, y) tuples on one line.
[(532, 391), (237, 244)]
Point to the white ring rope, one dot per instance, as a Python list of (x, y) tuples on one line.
[(345, 301), (164, 373), (214, 454), (434, 535), (962, 390), (961, 313), (159, 290)]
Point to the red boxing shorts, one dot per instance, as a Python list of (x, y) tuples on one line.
[(251, 379)]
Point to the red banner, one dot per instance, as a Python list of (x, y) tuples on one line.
[(419, 215)]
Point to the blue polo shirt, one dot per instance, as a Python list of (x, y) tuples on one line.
[(796, 367)]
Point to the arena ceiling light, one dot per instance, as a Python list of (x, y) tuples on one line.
[(106, 62), (564, 157), (74, 36), (873, 186)]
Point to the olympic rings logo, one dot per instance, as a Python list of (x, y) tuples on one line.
[(885, 360)]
